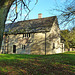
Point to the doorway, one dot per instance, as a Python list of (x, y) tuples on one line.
[(14, 48)]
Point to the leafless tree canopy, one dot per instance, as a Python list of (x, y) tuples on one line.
[(66, 12), (20, 8)]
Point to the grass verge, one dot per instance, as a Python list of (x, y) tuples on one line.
[(20, 64)]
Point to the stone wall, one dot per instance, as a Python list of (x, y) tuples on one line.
[(18, 40), (33, 44), (37, 43), (53, 37)]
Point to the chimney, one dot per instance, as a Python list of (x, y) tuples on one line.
[(40, 15)]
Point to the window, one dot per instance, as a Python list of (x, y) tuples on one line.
[(5, 34), (29, 34), (53, 45), (23, 35), (14, 48), (26, 35), (23, 46)]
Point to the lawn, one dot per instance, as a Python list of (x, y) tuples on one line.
[(20, 64)]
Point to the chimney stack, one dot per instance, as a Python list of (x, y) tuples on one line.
[(40, 15)]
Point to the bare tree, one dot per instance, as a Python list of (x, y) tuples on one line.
[(4, 9), (69, 13), (66, 12)]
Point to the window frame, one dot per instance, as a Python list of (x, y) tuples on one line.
[(26, 35), (23, 46)]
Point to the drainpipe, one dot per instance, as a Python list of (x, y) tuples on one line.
[(45, 43)]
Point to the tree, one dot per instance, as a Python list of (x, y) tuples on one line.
[(65, 36), (72, 38), (66, 13), (73, 29), (69, 12), (68, 37), (4, 9)]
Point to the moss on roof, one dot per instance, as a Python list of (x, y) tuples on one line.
[(30, 26)]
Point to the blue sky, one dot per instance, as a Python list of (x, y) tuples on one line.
[(44, 7)]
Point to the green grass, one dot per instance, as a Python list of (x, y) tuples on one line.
[(56, 64)]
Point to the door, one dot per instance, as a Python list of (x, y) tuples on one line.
[(14, 48)]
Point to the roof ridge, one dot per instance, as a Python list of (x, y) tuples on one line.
[(32, 19)]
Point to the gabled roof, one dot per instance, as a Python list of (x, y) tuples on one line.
[(30, 26)]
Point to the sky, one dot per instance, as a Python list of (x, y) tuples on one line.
[(43, 6)]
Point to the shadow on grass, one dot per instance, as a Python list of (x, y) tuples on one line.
[(57, 64)]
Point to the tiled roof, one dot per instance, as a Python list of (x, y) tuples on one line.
[(30, 26)]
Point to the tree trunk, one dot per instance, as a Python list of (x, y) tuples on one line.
[(4, 9)]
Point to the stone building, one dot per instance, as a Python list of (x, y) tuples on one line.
[(37, 36)]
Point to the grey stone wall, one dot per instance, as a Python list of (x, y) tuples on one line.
[(37, 43), (33, 44)]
